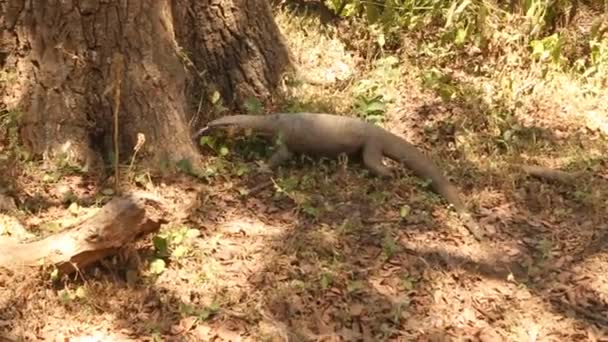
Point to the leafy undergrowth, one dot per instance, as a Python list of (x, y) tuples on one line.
[(325, 252)]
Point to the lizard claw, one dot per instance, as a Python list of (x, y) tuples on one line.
[(472, 226), (264, 168)]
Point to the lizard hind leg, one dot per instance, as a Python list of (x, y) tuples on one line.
[(372, 158)]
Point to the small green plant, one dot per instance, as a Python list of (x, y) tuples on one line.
[(378, 89), (215, 144), (173, 244), (379, 197), (326, 280), (371, 109), (290, 188), (598, 50), (355, 286), (389, 245), (217, 102), (54, 275), (399, 310), (8, 77), (405, 211), (185, 166), (51, 227), (286, 185), (408, 282), (157, 266), (441, 83), (66, 296), (9, 126), (545, 247), (201, 314), (253, 105), (548, 49), (143, 179), (349, 227), (241, 169), (310, 209)]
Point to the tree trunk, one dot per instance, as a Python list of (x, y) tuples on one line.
[(235, 44), (69, 63)]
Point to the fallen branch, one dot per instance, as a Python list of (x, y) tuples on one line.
[(119, 222), (259, 188), (592, 316), (550, 174)]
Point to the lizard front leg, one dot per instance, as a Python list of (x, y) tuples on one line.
[(280, 156)]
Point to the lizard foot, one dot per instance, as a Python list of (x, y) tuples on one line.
[(264, 168), (472, 226)]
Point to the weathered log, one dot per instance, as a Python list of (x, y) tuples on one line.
[(119, 222), (550, 174)]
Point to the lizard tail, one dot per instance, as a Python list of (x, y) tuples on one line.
[(404, 152)]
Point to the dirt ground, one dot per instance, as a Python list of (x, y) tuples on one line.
[(322, 251)]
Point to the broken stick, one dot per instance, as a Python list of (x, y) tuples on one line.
[(550, 174), (119, 222)]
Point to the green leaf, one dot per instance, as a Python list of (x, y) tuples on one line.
[(425, 183), (405, 211), (179, 251), (326, 280), (207, 140), (64, 296), (157, 266), (462, 7), (209, 311), (185, 166), (224, 151), (311, 210), (450, 15), (215, 97), (408, 284), (242, 169), (381, 40), (375, 106), (461, 36), (372, 12), (55, 274), (186, 309), (214, 307), (355, 286), (253, 105), (161, 245), (81, 292), (193, 233), (141, 178)]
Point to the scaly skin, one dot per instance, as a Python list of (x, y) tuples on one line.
[(330, 135)]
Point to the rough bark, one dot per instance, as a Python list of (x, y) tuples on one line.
[(117, 223), (238, 52), (64, 61)]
